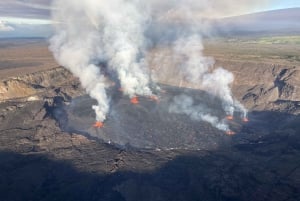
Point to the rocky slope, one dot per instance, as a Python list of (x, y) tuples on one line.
[(264, 86), (37, 85), (259, 86)]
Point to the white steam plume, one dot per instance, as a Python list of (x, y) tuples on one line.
[(184, 104), (90, 32), (75, 48), (124, 44), (218, 83), (199, 70), (117, 33)]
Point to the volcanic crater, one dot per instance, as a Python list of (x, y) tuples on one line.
[(45, 161), (151, 125)]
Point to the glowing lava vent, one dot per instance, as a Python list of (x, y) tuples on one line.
[(230, 132), (98, 124), (134, 100), (245, 119), (229, 117)]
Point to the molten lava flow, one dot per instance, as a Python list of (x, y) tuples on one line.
[(230, 132), (229, 117), (154, 98), (245, 119), (98, 124), (134, 100)]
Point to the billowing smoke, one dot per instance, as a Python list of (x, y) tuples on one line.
[(199, 70), (111, 32), (97, 36), (184, 104)]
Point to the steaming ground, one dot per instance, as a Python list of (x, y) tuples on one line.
[(149, 125)]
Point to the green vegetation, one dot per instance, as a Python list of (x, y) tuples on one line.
[(266, 40), (279, 40), (283, 50)]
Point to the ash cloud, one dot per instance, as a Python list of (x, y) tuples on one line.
[(120, 33)]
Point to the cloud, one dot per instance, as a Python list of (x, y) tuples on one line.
[(37, 4), (27, 31), (25, 21), (4, 27), (25, 18), (36, 9)]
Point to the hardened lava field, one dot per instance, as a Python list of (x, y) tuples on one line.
[(149, 124)]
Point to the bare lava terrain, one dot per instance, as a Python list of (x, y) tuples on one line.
[(50, 151)]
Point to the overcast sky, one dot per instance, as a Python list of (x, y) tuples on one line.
[(31, 18)]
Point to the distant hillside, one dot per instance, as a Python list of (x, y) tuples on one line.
[(276, 22)]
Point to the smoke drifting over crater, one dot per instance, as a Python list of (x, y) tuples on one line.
[(117, 34)]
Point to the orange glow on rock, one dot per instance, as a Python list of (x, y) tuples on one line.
[(229, 117), (134, 100), (154, 98), (98, 124), (245, 120), (230, 132)]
